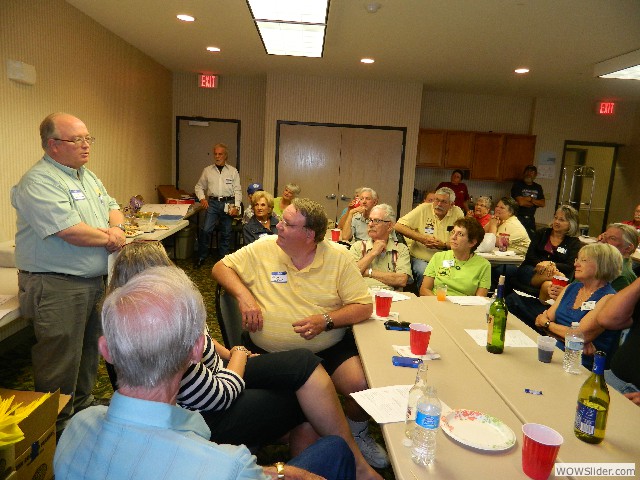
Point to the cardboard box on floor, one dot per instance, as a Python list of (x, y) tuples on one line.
[(34, 454)]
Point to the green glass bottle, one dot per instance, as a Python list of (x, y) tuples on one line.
[(593, 404), (497, 321)]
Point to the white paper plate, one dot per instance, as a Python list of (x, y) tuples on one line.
[(478, 430)]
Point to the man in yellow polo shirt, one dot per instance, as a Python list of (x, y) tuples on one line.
[(297, 290), (428, 225)]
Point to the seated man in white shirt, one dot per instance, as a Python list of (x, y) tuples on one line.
[(153, 330)]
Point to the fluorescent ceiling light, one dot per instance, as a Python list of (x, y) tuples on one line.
[(186, 18), (367, 60), (625, 66), (291, 27), (213, 49), (521, 71)]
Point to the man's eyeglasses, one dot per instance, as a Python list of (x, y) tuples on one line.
[(287, 224), (377, 221), (78, 140)]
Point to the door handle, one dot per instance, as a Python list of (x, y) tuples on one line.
[(344, 198), (331, 197)]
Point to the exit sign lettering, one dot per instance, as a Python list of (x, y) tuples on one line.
[(606, 108), (207, 81)]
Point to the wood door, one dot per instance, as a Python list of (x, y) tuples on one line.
[(518, 152), (487, 152), (371, 158), (430, 148), (195, 148), (330, 162), (309, 155), (458, 150)]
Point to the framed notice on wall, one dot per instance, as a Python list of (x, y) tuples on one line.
[(546, 165)]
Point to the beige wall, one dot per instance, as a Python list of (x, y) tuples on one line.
[(122, 95)]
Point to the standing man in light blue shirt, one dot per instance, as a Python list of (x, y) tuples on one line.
[(219, 192), (67, 224), (153, 330)]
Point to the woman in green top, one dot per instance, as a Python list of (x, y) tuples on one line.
[(460, 269), (291, 191)]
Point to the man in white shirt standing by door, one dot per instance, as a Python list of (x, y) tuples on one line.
[(219, 192)]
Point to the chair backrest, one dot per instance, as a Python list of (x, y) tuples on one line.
[(229, 318)]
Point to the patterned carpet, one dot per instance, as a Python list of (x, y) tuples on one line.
[(16, 372)]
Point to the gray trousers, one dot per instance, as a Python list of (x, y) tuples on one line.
[(66, 322)]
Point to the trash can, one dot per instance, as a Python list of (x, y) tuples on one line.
[(185, 242)]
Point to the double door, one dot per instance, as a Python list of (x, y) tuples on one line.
[(330, 162)]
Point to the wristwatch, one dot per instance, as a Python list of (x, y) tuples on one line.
[(120, 226), (546, 324), (329, 320), (280, 469), (370, 272)]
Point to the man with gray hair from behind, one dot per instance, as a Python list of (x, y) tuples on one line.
[(153, 330), (428, 225), (382, 261)]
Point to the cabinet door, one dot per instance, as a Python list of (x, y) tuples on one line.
[(487, 153), (430, 148), (518, 152), (458, 150)]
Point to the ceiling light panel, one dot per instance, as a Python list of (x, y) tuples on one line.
[(625, 66), (291, 27)]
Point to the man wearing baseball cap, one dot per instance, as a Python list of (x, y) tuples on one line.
[(248, 212)]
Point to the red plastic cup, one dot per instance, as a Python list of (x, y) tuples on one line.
[(560, 281), (335, 234), (419, 336), (540, 445), (383, 303)]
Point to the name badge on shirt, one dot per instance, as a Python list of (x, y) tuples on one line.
[(448, 263), (590, 305), (561, 250), (77, 194), (429, 230), (228, 181), (278, 277)]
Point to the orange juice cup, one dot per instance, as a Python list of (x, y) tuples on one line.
[(441, 293)]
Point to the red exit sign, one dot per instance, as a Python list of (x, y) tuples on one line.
[(606, 108), (207, 81)]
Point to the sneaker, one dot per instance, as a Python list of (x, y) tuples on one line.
[(374, 454)]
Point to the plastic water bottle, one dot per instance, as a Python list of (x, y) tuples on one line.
[(415, 393), (423, 451), (573, 345)]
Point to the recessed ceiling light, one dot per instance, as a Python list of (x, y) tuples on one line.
[(186, 18), (213, 49), (367, 60), (521, 71)]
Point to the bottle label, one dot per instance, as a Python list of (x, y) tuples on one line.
[(575, 345), (489, 329), (586, 419), (430, 422)]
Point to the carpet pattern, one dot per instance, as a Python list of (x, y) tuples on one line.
[(16, 371)]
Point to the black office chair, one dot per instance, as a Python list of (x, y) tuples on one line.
[(229, 318)]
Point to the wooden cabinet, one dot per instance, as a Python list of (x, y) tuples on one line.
[(489, 156), (518, 152), (430, 148), (487, 152), (444, 149)]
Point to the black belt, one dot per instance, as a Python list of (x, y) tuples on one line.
[(222, 199), (59, 274)]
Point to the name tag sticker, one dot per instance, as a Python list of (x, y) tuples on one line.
[(561, 250), (228, 181), (590, 305), (278, 277), (429, 230), (77, 194), (448, 263)]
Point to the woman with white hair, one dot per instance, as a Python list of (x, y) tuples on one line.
[(291, 191), (481, 211), (596, 266)]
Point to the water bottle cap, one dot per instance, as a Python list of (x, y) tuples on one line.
[(575, 324)]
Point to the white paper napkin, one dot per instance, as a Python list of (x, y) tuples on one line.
[(405, 351)]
